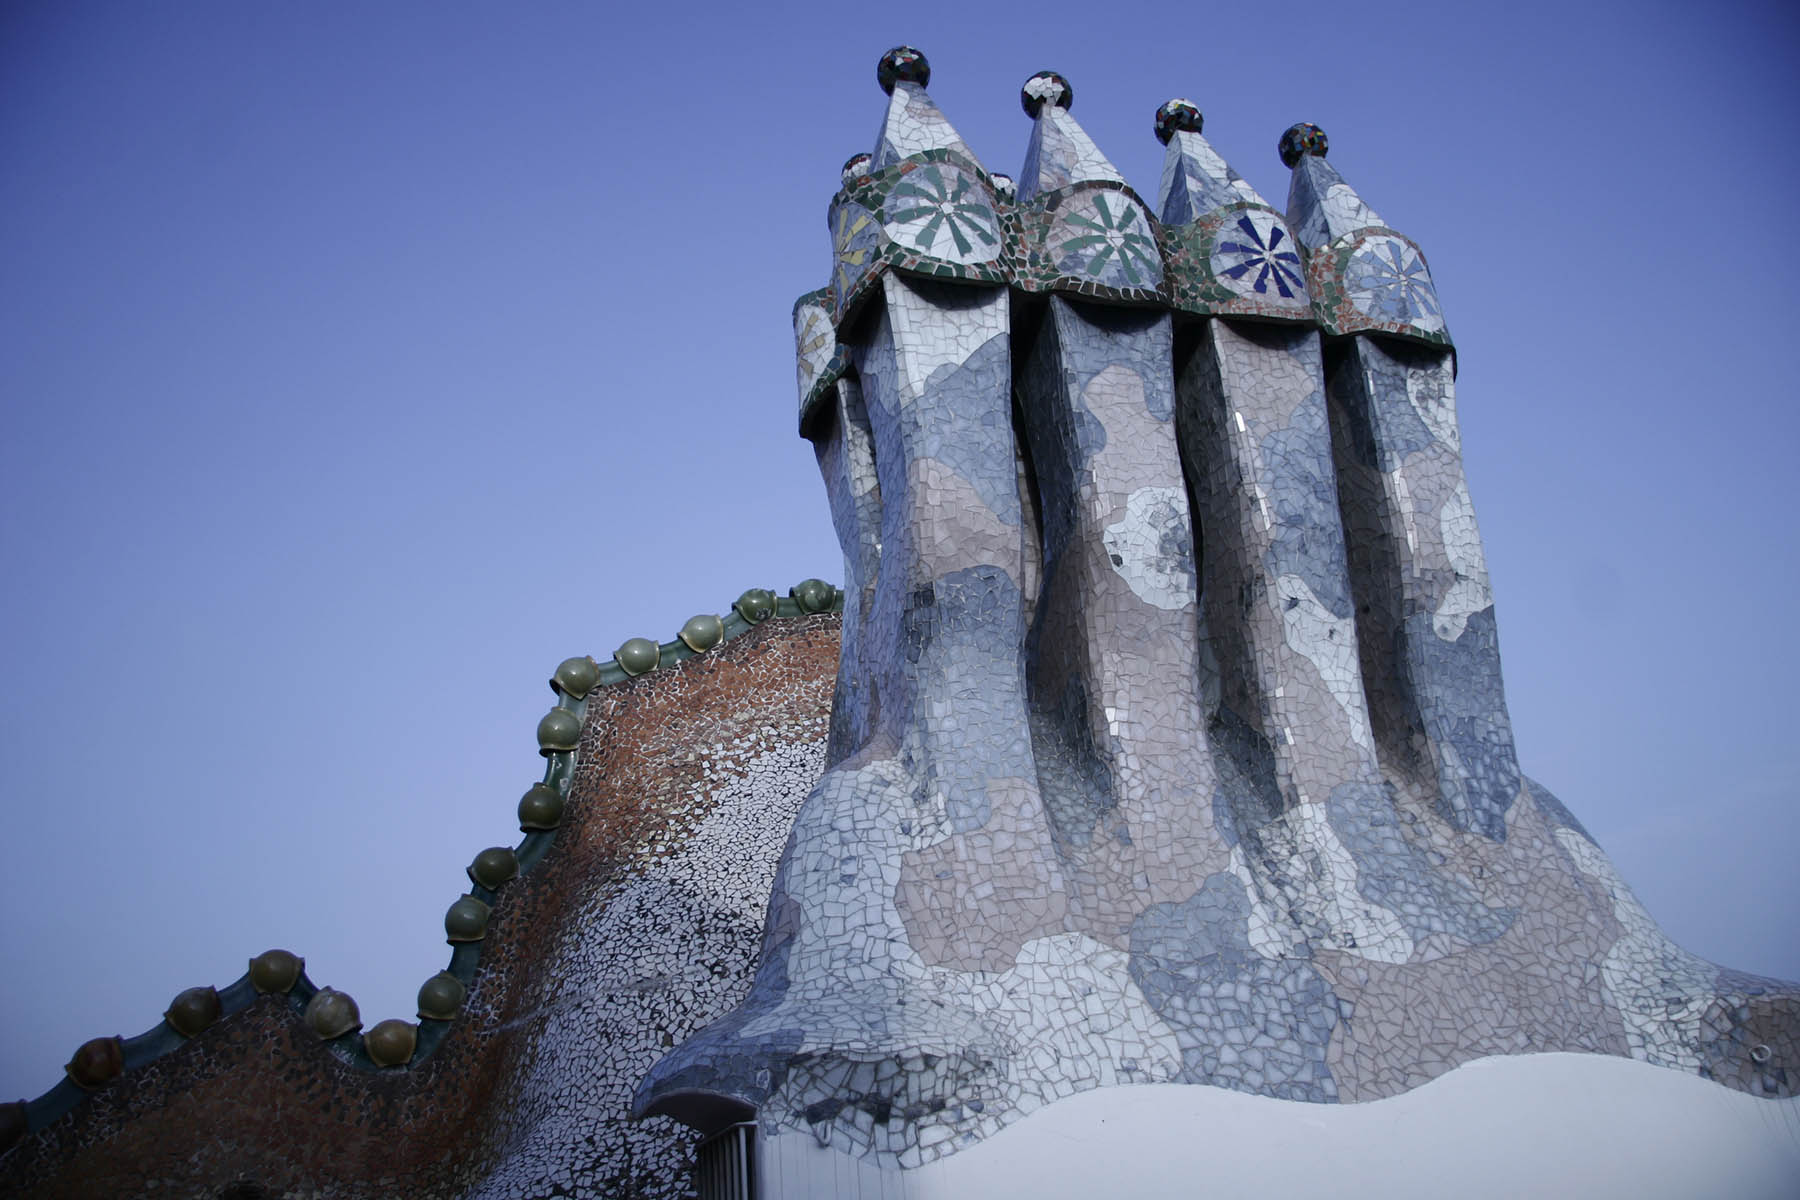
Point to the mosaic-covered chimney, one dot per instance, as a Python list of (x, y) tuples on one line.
[(1169, 742)]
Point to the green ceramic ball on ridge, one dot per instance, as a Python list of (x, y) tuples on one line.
[(702, 633), (813, 595), (391, 1043), (540, 808), (493, 867), (332, 1014), (756, 605), (559, 730), (97, 1062), (637, 656), (276, 970), (441, 997), (466, 920), (194, 1010), (576, 676)]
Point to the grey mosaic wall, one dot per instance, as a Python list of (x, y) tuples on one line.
[(1170, 741)]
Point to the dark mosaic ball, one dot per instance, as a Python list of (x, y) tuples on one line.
[(855, 167), (902, 64), (1045, 86), (1301, 140), (1177, 116)]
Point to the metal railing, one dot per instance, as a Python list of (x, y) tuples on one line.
[(725, 1164)]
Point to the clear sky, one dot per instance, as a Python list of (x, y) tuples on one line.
[(359, 363)]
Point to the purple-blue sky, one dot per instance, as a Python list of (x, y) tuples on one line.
[(358, 364)]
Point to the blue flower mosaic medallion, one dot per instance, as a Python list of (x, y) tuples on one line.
[(941, 212), (1386, 280), (1106, 238), (1256, 256)]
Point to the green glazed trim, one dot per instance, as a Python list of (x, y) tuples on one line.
[(749, 610)]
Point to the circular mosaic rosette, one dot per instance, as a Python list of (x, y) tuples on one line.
[(1106, 237), (1387, 280), (1376, 280), (1093, 240), (1255, 255), (933, 214), (1240, 260), (941, 211)]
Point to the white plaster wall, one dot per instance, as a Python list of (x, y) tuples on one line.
[(1546, 1125)]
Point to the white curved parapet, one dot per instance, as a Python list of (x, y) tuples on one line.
[(1542, 1125)]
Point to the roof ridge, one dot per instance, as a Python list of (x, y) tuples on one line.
[(396, 1043)]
